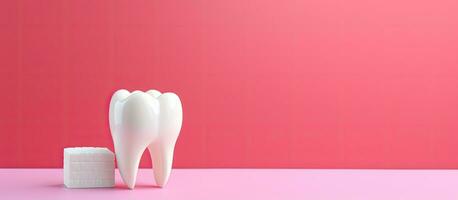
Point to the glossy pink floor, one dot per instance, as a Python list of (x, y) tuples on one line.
[(244, 184)]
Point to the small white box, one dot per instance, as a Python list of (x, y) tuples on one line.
[(88, 167)]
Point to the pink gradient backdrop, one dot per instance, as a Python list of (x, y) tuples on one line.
[(264, 83)]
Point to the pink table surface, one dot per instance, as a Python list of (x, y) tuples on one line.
[(244, 184)]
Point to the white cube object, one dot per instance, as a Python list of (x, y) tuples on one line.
[(88, 167)]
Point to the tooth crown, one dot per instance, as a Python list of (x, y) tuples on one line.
[(141, 120)]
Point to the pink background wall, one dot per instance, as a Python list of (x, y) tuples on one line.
[(264, 83)]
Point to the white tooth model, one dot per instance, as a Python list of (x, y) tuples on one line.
[(141, 120)]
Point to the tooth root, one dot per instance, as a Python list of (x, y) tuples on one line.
[(128, 160), (162, 149), (162, 157)]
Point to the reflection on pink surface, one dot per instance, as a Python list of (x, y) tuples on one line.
[(244, 184)]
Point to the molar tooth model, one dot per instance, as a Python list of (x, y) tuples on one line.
[(141, 120)]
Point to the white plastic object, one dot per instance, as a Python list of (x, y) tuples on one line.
[(88, 167), (141, 120)]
